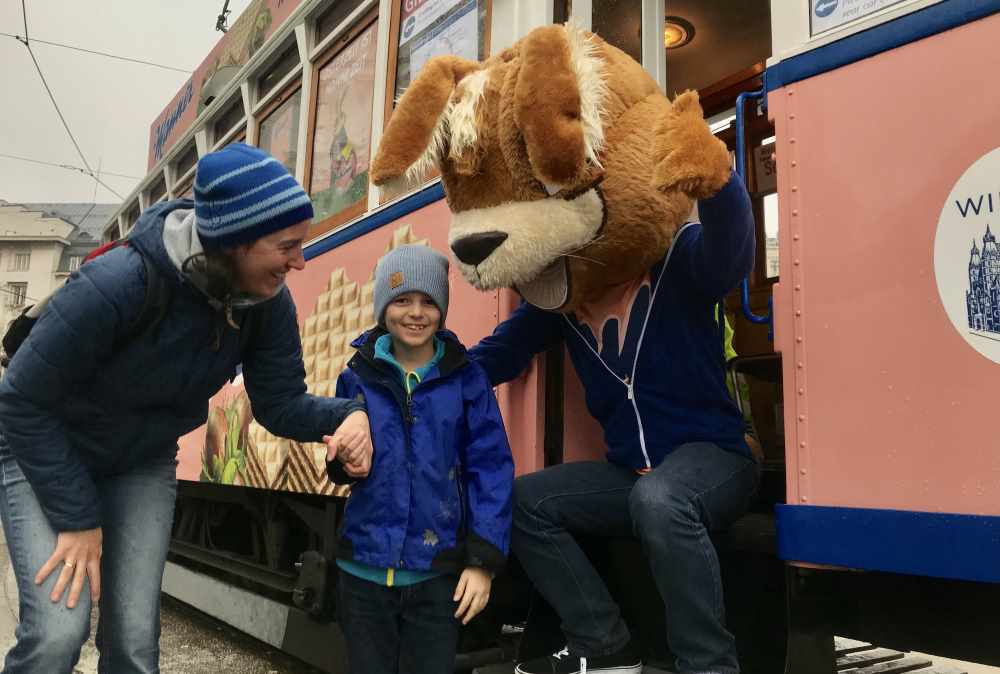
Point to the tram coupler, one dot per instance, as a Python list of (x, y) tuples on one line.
[(311, 587)]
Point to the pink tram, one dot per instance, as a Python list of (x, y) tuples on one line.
[(868, 332)]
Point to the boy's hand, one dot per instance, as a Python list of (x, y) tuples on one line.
[(351, 444), (472, 593), (361, 468)]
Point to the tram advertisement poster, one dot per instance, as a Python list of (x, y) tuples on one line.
[(967, 258), (829, 14), (245, 36), (430, 28), (279, 132), (342, 141)]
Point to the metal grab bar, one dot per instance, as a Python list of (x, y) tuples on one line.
[(741, 166)]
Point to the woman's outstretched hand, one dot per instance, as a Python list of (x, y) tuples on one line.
[(351, 444), (77, 556)]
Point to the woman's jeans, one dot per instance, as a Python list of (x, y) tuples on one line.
[(136, 515), (697, 488), (410, 629)]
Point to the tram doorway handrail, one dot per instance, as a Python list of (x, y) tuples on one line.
[(741, 166)]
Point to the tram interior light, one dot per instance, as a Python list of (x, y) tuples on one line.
[(677, 32)]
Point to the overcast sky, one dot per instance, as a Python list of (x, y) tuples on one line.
[(108, 104)]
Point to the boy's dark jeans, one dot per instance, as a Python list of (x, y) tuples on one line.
[(699, 487), (406, 630)]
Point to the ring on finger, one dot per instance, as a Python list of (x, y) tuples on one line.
[(69, 564)]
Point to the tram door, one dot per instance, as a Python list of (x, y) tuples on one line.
[(719, 49)]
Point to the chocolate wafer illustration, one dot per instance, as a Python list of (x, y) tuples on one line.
[(342, 312)]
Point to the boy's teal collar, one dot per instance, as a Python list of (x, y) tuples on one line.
[(383, 351)]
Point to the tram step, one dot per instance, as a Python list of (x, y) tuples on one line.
[(845, 646), (909, 663), (867, 657), (859, 657)]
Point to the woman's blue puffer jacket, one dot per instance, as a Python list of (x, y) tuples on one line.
[(77, 404)]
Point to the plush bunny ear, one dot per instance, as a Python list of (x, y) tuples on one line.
[(428, 120), (559, 101)]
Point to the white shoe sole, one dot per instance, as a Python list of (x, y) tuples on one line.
[(627, 669)]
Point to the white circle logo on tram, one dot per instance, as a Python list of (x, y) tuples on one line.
[(967, 258)]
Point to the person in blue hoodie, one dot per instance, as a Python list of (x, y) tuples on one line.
[(678, 465), (424, 533), (90, 413)]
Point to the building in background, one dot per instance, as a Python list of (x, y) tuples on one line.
[(40, 246)]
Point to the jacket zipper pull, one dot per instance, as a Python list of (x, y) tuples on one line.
[(628, 384)]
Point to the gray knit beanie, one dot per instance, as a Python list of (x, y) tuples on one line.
[(408, 269)]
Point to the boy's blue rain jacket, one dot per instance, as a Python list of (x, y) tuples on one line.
[(438, 496), (78, 404)]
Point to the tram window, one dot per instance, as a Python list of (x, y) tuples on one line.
[(230, 117), (185, 191), (771, 235), (158, 190), (341, 145), (430, 29), (561, 10), (619, 22), (710, 40), (329, 20), (284, 64), (765, 177), (131, 215), (722, 121), (765, 186), (187, 161), (279, 130), (238, 135)]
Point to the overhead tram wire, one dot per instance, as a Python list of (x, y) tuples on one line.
[(97, 53), (68, 167), (34, 60), (89, 171)]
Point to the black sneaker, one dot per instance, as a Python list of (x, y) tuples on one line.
[(625, 661)]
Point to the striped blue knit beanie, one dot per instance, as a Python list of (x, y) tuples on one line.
[(242, 193)]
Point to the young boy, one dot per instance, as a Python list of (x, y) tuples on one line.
[(424, 533)]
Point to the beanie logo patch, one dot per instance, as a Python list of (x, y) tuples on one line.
[(395, 280)]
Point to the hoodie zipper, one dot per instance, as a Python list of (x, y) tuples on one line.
[(629, 381)]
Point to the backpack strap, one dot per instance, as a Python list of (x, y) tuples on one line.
[(155, 304)]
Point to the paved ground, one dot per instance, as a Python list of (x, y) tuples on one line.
[(193, 643)]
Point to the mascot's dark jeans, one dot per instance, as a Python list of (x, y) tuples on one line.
[(698, 488)]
